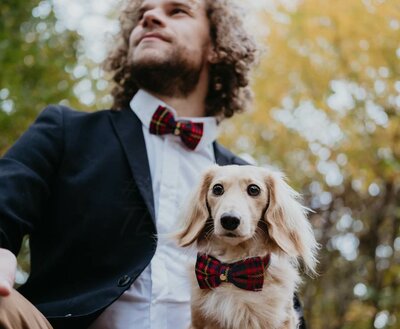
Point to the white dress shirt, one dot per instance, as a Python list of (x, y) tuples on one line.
[(160, 297)]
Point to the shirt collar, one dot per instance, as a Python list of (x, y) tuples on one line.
[(144, 105)]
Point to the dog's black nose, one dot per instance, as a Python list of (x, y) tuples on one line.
[(230, 221)]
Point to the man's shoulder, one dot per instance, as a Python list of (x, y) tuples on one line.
[(66, 116), (68, 112)]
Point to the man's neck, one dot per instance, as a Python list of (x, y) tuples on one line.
[(188, 106), (192, 105)]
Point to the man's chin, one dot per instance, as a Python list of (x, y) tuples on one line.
[(163, 72)]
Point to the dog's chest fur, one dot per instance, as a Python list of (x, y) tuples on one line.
[(229, 307)]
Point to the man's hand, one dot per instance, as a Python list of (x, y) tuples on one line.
[(8, 267)]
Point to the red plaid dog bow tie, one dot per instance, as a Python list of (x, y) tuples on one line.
[(246, 274), (163, 122)]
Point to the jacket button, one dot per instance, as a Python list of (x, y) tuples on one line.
[(124, 281)]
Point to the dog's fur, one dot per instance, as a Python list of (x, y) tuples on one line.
[(272, 222)]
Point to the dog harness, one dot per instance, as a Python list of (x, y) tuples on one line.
[(246, 274)]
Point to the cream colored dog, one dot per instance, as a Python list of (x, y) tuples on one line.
[(240, 213)]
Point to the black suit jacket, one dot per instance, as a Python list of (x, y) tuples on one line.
[(79, 184)]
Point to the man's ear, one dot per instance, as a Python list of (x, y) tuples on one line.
[(212, 56), (287, 222), (196, 214)]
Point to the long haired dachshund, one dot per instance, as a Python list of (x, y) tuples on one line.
[(251, 234)]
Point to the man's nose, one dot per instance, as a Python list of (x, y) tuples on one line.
[(152, 18)]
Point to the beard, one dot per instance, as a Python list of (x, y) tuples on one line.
[(175, 75)]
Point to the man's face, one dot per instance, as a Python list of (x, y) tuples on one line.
[(171, 36)]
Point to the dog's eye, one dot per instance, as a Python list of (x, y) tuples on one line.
[(253, 190), (218, 189)]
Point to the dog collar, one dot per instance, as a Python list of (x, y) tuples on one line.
[(246, 274)]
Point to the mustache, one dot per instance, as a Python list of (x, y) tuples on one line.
[(155, 34)]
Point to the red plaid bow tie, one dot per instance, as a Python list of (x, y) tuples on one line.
[(246, 274), (163, 122)]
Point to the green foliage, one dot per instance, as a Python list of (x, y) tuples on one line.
[(34, 54), (328, 114)]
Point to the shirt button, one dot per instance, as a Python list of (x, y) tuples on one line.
[(124, 281), (222, 277)]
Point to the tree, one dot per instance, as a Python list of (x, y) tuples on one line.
[(327, 113), (36, 53)]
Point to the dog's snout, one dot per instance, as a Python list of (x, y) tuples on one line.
[(230, 221)]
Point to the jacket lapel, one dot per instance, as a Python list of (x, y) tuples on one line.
[(129, 130)]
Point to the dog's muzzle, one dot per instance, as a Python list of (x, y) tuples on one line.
[(230, 221)]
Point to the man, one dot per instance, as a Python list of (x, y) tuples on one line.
[(92, 190)]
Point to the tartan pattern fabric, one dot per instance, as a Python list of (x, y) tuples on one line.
[(246, 274), (163, 122)]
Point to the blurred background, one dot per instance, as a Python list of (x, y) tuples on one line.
[(326, 112)]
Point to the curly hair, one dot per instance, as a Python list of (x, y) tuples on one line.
[(236, 50)]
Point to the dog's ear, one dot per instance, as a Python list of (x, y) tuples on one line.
[(196, 214), (287, 222)]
